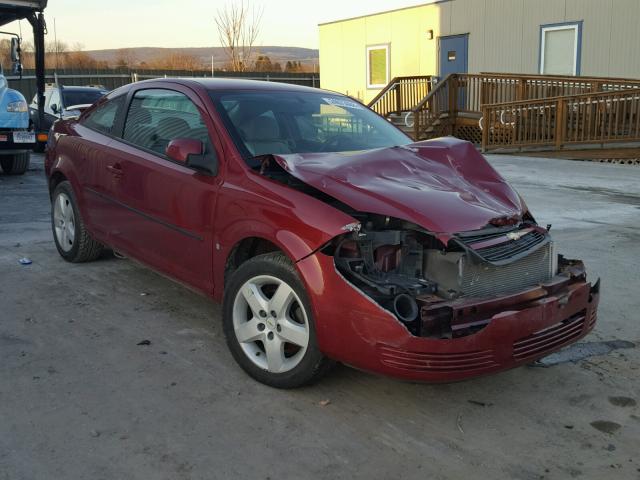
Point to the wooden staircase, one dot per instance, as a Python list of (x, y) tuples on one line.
[(503, 112)]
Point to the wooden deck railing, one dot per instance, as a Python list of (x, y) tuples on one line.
[(401, 95), (516, 111), (501, 87), (455, 105), (593, 118)]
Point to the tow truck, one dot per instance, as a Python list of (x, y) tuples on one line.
[(17, 139)]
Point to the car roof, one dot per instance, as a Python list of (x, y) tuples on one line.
[(222, 84)]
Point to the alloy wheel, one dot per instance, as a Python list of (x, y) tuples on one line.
[(270, 324), (64, 222)]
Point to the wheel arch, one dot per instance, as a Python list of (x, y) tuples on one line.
[(56, 179), (254, 240), (246, 249)]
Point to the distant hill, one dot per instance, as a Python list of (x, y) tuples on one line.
[(139, 55)]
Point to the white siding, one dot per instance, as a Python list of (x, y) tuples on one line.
[(504, 36)]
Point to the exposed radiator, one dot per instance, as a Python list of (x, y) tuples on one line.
[(480, 279)]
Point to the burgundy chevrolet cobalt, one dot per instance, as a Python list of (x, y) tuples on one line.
[(328, 235)]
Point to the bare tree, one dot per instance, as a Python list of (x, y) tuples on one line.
[(238, 29)]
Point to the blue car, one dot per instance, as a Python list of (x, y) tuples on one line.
[(16, 140)]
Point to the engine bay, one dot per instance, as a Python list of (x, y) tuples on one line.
[(448, 291)]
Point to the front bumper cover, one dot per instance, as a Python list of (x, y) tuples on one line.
[(355, 330)]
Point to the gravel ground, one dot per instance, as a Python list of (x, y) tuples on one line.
[(79, 399)]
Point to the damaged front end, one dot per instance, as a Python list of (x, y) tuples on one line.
[(452, 290), (474, 283)]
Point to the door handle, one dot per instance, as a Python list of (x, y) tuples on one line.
[(115, 170)]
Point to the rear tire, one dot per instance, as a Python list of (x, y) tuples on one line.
[(15, 164), (269, 325), (73, 241)]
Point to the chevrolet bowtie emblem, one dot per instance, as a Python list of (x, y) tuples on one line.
[(515, 235)]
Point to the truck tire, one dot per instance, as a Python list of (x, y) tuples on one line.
[(15, 164)]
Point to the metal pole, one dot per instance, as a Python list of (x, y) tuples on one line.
[(39, 27)]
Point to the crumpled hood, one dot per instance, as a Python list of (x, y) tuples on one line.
[(445, 185)]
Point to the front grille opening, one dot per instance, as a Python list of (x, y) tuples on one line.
[(513, 248), (479, 279)]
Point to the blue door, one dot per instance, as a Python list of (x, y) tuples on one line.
[(454, 54)]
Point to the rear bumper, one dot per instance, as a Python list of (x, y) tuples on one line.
[(351, 328)]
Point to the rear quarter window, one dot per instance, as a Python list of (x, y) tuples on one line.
[(103, 118)]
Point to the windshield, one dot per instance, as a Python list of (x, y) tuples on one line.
[(85, 97), (292, 122)]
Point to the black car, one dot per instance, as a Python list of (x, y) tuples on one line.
[(61, 101)]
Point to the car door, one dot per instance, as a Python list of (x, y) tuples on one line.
[(166, 208), (91, 150)]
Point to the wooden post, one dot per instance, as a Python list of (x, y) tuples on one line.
[(561, 121), (521, 93), (485, 128), (398, 97), (453, 101)]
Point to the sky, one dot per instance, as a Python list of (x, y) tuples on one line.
[(190, 23)]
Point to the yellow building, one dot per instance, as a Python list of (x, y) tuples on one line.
[(358, 56)]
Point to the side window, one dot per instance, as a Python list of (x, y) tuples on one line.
[(103, 118), (157, 116)]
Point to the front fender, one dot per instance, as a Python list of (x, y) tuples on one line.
[(288, 241), (297, 223)]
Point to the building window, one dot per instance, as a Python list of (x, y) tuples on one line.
[(377, 66), (560, 46)]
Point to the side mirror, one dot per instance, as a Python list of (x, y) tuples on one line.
[(190, 152), (16, 54), (180, 149), (15, 50)]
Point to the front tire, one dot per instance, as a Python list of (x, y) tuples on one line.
[(16, 164), (72, 240), (269, 326)]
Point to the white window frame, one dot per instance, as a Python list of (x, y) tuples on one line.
[(387, 49), (572, 26)]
